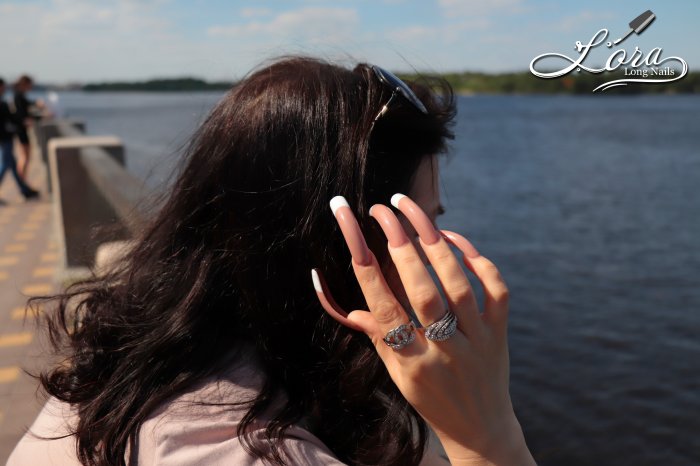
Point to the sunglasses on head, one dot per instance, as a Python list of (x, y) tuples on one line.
[(398, 87)]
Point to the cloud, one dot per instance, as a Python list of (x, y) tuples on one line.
[(312, 24), (570, 23), (472, 8), (15, 8), (68, 39), (412, 33), (251, 12)]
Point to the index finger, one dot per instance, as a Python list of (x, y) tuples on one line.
[(382, 303)]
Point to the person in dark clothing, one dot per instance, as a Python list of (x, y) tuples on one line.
[(8, 128), (25, 111)]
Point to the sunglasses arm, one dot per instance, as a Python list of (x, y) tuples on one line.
[(386, 106)]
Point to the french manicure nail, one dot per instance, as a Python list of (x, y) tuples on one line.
[(351, 230), (427, 232), (316, 281)]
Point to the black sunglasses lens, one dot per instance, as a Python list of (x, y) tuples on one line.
[(395, 83)]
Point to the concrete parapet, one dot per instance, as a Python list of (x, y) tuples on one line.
[(46, 130), (83, 214)]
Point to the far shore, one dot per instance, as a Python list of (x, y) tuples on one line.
[(465, 84)]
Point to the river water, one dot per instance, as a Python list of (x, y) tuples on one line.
[(589, 206)]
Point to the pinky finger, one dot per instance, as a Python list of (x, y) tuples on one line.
[(328, 303), (362, 321), (496, 292)]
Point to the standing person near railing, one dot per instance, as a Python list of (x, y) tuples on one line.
[(26, 111), (8, 127)]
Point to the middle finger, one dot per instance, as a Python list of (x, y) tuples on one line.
[(420, 287)]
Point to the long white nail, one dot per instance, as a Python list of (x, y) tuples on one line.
[(316, 280), (337, 202), (396, 198)]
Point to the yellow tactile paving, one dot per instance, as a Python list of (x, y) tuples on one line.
[(31, 226), (15, 247), (8, 260), (24, 236), (9, 374), (49, 257), (37, 289), (43, 272), (15, 339), (18, 313)]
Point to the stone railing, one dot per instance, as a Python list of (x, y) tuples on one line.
[(96, 201)]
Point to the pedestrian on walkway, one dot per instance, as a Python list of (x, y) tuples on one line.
[(26, 111), (8, 128)]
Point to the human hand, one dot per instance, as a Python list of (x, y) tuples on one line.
[(460, 385)]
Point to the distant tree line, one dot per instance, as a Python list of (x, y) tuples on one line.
[(466, 82), (162, 85), (574, 83)]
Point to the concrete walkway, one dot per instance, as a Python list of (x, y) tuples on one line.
[(28, 260)]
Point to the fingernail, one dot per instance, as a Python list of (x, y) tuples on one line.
[(329, 304), (420, 221), (390, 225), (316, 281), (462, 243), (351, 230)]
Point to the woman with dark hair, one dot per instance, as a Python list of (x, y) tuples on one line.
[(207, 343)]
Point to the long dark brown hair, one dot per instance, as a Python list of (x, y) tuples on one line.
[(225, 263)]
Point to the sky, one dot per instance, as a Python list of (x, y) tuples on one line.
[(77, 41)]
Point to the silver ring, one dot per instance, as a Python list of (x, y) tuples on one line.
[(401, 336), (443, 328)]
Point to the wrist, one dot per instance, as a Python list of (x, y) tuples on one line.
[(506, 448)]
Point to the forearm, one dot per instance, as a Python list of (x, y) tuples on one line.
[(507, 450), (519, 456)]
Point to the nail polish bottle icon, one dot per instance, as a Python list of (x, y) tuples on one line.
[(638, 24)]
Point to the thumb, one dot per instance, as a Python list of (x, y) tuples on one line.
[(365, 321)]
